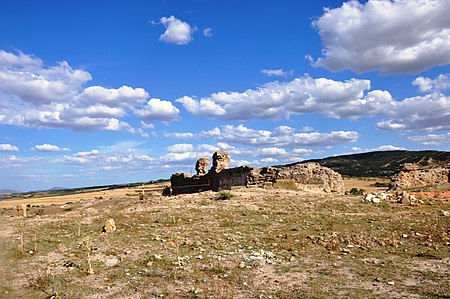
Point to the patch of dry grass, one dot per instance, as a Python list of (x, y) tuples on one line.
[(261, 243)]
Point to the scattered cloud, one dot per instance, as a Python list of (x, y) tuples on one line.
[(277, 73), (422, 113), (338, 99), (157, 109), (177, 32), (426, 84), (283, 136), (5, 147), (384, 36), (431, 139), (377, 149), (286, 137), (180, 148), (16, 161), (302, 152), (179, 135), (35, 95), (207, 32), (50, 148)]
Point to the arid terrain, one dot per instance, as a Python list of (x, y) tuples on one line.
[(246, 243)]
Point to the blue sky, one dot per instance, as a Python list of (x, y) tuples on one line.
[(103, 92)]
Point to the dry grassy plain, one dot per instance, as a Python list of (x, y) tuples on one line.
[(261, 243)]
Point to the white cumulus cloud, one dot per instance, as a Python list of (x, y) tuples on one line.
[(389, 36), (158, 109), (422, 113), (33, 94), (426, 84), (180, 148), (276, 72), (431, 139), (338, 99), (50, 148), (6, 147), (177, 32)]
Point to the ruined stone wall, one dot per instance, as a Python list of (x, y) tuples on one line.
[(412, 176), (313, 176), (186, 183), (227, 178), (307, 176)]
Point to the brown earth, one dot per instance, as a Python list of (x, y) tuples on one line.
[(260, 243)]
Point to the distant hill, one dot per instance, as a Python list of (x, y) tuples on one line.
[(382, 163), (8, 191)]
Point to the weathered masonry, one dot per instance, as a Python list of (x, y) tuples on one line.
[(307, 176)]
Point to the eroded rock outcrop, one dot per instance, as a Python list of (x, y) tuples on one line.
[(221, 160), (306, 176), (202, 166), (414, 176)]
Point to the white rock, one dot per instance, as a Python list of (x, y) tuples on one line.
[(111, 262), (369, 197), (376, 200)]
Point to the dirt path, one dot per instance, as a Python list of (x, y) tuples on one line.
[(7, 266)]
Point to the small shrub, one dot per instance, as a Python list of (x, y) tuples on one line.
[(167, 191), (356, 191), (380, 184), (286, 184), (40, 211), (224, 195)]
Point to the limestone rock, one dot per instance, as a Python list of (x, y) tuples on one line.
[(221, 160), (202, 166), (413, 176), (21, 210), (312, 176), (110, 226), (111, 262)]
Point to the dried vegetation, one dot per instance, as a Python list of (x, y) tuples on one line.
[(259, 243)]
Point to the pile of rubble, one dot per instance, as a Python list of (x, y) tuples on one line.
[(306, 176), (414, 176), (398, 197)]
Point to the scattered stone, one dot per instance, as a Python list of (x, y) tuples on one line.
[(391, 283), (241, 265), (445, 213), (21, 210), (404, 236), (374, 198), (111, 262), (292, 259), (110, 226), (70, 264)]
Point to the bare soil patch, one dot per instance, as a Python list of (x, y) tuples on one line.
[(261, 243)]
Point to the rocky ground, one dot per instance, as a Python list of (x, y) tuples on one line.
[(249, 243)]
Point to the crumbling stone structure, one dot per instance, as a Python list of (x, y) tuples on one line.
[(221, 160), (414, 176), (202, 166), (307, 176)]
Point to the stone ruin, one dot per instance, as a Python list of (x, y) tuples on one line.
[(21, 210), (414, 176), (306, 176)]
